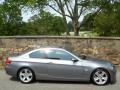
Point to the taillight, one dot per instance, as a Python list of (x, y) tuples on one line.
[(8, 61)]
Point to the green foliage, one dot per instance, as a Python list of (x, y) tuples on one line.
[(107, 25), (44, 24), (107, 21), (70, 26), (103, 17), (10, 17), (87, 23)]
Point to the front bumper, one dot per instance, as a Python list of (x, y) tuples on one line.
[(113, 75)]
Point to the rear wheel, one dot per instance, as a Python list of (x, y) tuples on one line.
[(100, 77), (26, 75)]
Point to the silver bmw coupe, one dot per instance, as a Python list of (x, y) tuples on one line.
[(59, 64)]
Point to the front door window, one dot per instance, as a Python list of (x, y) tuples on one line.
[(59, 54)]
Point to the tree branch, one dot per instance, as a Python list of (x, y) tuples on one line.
[(95, 13), (57, 10), (68, 9), (81, 11), (71, 8)]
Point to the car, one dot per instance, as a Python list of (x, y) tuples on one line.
[(51, 63)]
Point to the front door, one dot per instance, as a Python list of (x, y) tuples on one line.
[(53, 64), (61, 66)]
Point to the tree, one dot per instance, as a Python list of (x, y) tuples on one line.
[(43, 24), (101, 16), (72, 9), (10, 16), (46, 24), (87, 23), (107, 25), (107, 21)]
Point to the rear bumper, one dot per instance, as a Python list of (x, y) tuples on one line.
[(10, 71)]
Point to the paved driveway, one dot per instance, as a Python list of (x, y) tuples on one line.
[(9, 83)]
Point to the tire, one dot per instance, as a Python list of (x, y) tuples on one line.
[(26, 75), (100, 77)]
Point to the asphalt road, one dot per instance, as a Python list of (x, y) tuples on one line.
[(9, 83)]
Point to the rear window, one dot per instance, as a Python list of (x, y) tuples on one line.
[(37, 54)]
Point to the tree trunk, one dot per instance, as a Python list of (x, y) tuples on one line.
[(76, 28), (61, 6), (76, 32), (65, 23), (66, 27), (75, 19)]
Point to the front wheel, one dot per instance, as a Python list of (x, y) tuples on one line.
[(26, 75), (100, 77)]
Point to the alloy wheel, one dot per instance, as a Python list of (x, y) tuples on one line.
[(100, 77), (26, 75)]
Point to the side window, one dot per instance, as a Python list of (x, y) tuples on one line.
[(37, 54), (59, 54)]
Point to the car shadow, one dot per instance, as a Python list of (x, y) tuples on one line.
[(62, 82), (14, 79), (52, 82)]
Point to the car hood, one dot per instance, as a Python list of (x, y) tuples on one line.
[(96, 60)]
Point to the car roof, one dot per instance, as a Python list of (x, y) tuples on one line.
[(48, 48)]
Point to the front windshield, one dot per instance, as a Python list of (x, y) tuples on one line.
[(75, 53)]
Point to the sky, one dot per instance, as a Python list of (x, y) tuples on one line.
[(1, 1), (26, 14)]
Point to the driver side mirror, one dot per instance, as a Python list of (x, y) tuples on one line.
[(75, 60)]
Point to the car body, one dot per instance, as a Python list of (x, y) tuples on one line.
[(51, 63)]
